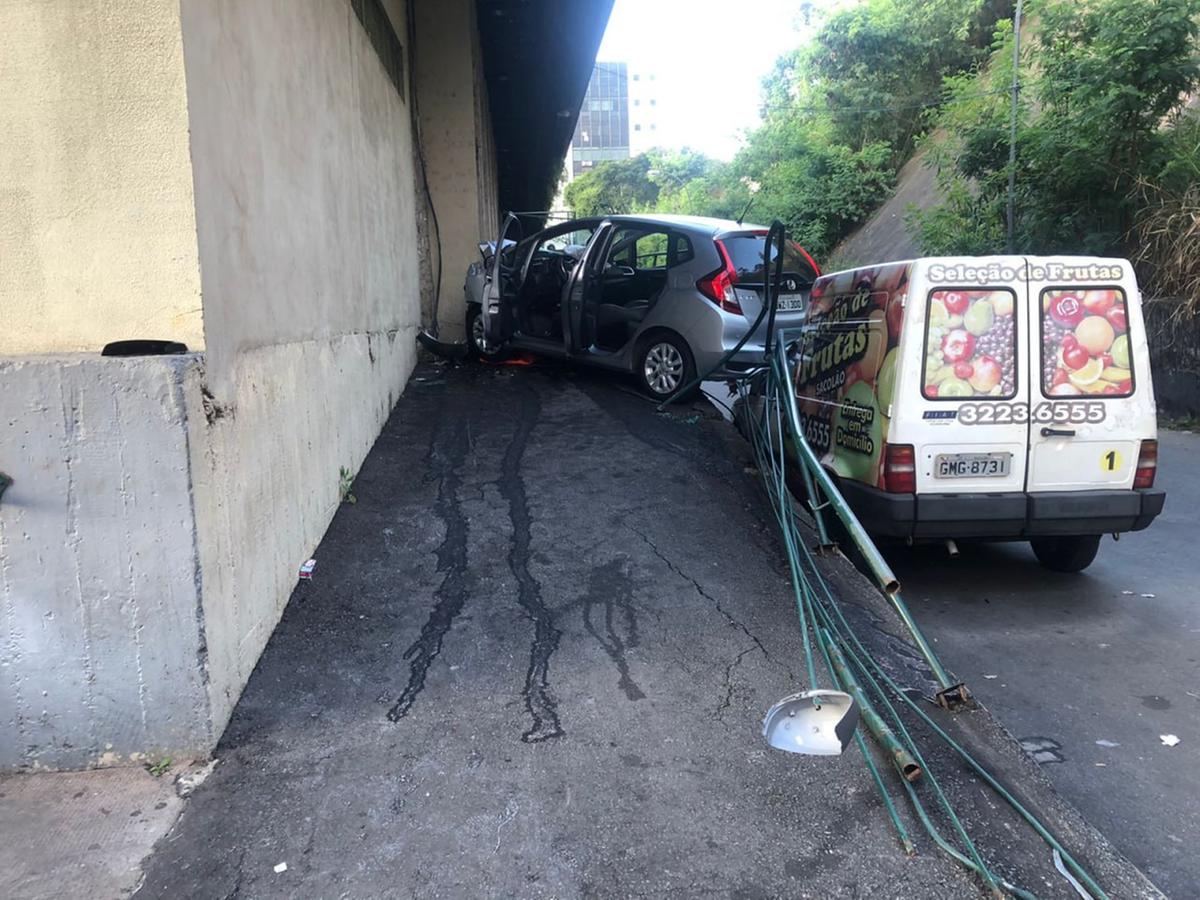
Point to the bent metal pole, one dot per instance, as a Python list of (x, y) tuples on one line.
[(874, 559)]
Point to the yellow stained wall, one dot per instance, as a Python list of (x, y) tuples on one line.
[(97, 223)]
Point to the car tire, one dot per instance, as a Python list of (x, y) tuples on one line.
[(1066, 554), (476, 342), (663, 365)]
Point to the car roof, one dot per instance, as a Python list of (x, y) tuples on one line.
[(706, 224)]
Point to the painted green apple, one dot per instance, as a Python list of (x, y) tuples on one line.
[(858, 434), (1120, 351), (955, 387)]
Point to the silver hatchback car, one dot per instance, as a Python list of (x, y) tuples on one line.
[(660, 297)]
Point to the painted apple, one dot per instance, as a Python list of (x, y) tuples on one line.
[(1067, 310), (1064, 390), (964, 370), (1120, 351), (1060, 377), (1098, 302), (1075, 357), (1095, 334), (1116, 318), (958, 345), (986, 375), (956, 301), (955, 387)]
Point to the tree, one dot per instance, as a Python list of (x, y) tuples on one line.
[(612, 187), (1109, 75)]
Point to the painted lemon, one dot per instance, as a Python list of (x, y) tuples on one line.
[(955, 387), (1089, 374), (938, 316)]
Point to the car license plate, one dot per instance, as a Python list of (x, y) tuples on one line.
[(972, 465), (791, 302)]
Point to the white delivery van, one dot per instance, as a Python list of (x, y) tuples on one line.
[(992, 398)]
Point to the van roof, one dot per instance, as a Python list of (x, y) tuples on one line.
[(983, 261)]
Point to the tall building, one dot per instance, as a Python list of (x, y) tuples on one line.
[(643, 111), (602, 132)]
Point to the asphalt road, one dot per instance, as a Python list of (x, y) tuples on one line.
[(1109, 655)]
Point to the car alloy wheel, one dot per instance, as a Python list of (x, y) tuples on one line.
[(663, 368), (479, 338)]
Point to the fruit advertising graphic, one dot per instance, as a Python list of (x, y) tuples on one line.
[(846, 372), (1085, 343), (971, 346)]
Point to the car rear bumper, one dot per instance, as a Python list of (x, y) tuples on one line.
[(1010, 516)]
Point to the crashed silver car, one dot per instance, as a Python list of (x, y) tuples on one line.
[(661, 297)]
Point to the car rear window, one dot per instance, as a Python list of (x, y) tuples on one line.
[(970, 345), (746, 253), (1085, 343)]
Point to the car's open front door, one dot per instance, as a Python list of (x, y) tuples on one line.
[(581, 293), (497, 312)]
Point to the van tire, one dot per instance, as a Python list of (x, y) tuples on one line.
[(1066, 554)]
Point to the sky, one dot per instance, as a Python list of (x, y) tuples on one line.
[(709, 58)]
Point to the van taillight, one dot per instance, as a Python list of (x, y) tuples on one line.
[(1147, 465), (718, 286), (900, 469)]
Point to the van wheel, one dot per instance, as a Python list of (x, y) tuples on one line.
[(663, 365), (1066, 554), (480, 346)]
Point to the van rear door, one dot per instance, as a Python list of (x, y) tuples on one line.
[(973, 391), (1092, 401)]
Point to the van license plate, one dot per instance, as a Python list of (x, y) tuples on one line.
[(972, 465)]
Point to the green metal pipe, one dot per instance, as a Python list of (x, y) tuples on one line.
[(900, 757), (875, 562)]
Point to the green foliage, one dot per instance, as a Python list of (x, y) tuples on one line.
[(346, 485), (617, 186), (1100, 82)]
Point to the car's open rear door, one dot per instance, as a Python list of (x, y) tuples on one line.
[(581, 293)]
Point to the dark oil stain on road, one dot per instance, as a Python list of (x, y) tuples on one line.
[(611, 588), (540, 701), (451, 594), (1154, 701)]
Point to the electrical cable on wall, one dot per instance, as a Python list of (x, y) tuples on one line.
[(418, 143)]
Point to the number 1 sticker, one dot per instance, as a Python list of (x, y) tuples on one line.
[(1111, 461)]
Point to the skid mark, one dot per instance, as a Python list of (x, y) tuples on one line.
[(540, 701), (451, 594)]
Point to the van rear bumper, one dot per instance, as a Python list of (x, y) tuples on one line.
[(1011, 516)]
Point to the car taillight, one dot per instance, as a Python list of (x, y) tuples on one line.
[(1147, 465), (900, 469), (718, 286)]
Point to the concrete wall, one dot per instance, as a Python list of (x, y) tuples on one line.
[(457, 143), (302, 155), (97, 233), (101, 656), (255, 159)]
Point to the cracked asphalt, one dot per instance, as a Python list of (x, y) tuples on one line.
[(533, 662)]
